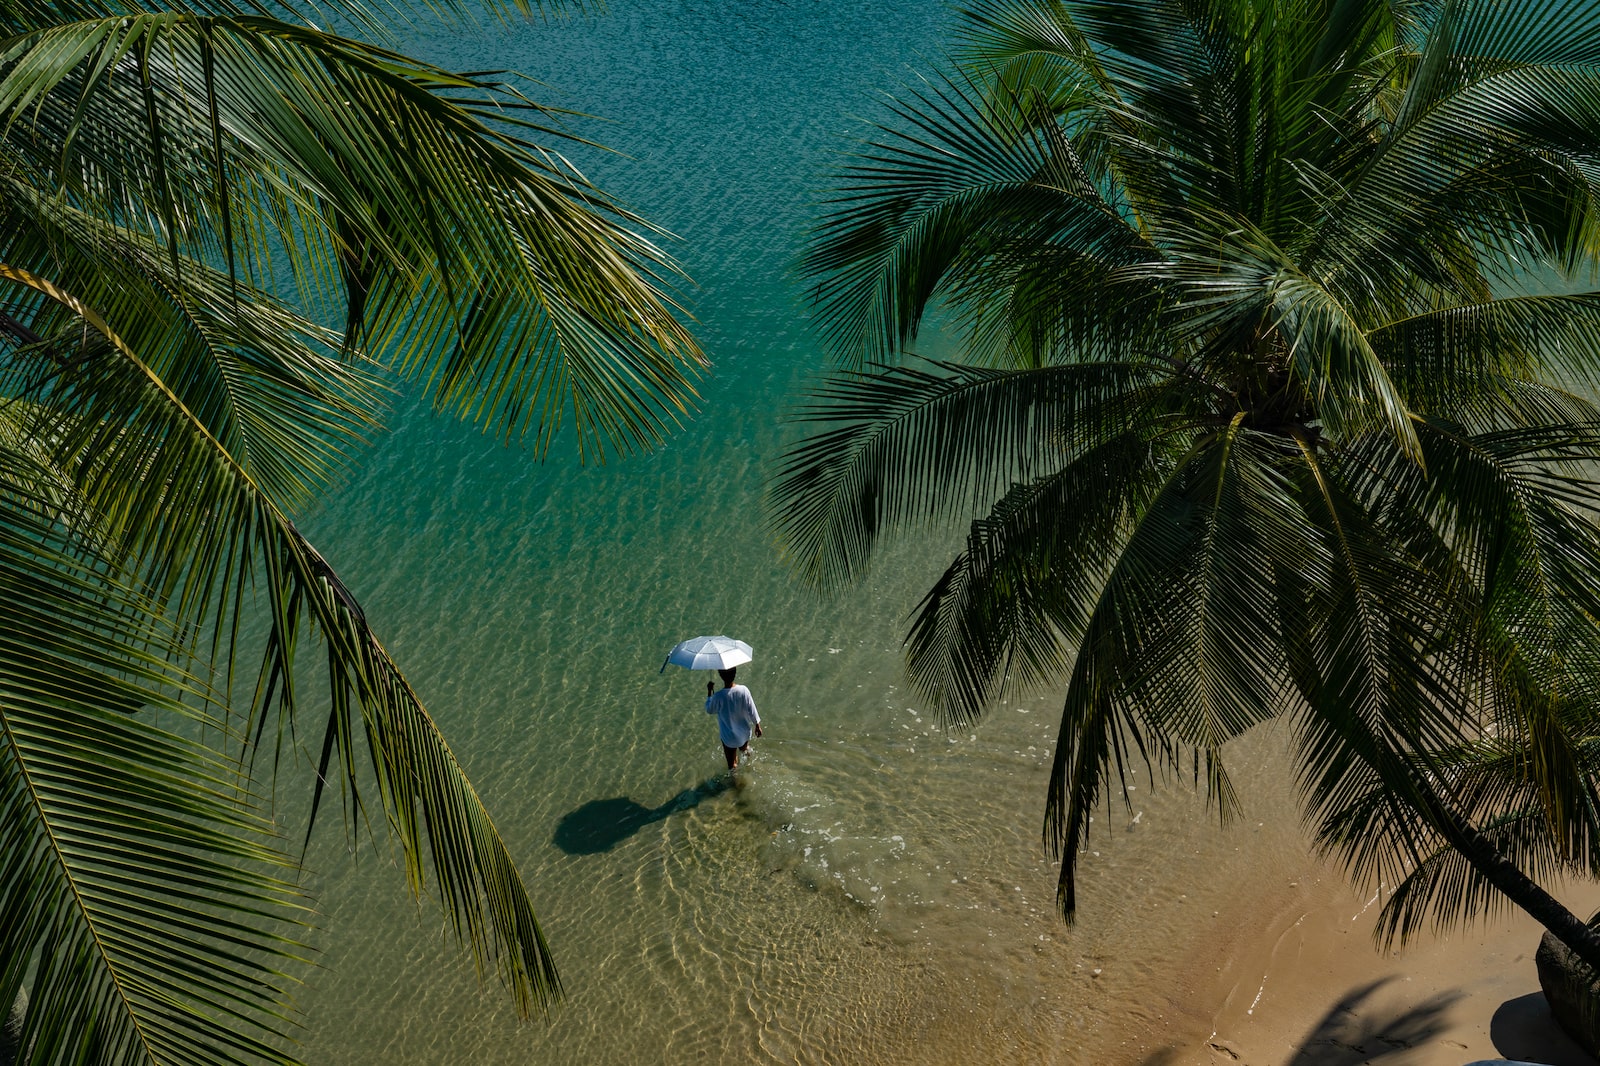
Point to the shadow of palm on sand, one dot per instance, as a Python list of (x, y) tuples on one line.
[(1349, 1034), (602, 824), (1352, 1033)]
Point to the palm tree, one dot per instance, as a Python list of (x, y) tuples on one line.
[(187, 199), (1276, 404)]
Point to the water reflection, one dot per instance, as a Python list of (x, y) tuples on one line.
[(602, 824)]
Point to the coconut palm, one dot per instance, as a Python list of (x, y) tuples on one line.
[(1276, 403), (223, 233)]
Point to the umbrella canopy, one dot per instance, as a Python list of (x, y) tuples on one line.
[(708, 653)]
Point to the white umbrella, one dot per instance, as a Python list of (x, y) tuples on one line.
[(708, 653)]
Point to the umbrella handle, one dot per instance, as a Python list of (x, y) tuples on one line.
[(665, 662)]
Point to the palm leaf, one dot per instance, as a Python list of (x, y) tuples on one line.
[(1445, 890), (1014, 603), (220, 531), (913, 445), (270, 386), (476, 258), (1181, 651), (957, 188), (143, 900), (1450, 358)]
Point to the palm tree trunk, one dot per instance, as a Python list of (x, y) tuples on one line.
[(1522, 890)]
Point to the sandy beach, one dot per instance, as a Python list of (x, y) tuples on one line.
[(1310, 988)]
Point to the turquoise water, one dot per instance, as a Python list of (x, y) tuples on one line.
[(875, 890)]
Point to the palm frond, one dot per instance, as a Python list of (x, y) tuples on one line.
[(432, 205), (1490, 165), (273, 388), (1445, 891), (961, 185), (144, 900), (376, 20), (1375, 654), (199, 524), (1449, 358), (1014, 603), (911, 444), (1519, 513), (1181, 651), (1496, 786)]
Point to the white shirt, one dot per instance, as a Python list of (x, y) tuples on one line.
[(736, 715)]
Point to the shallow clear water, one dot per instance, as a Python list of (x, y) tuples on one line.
[(875, 890)]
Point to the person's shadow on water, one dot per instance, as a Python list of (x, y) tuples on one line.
[(601, 825)]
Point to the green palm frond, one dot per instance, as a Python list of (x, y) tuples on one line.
[(136, 450), (432, 206), (912, 445), (1445, 891), (376, 19), (961, 186), (1450, 358), (1013, 604), (1336, 364), (1521, 513), (1400, 669), (1256, 295), (1372, 648), (1490, 783), (1496, 780), (1181, 652), (273, 388), (1032, 44), (146, 905), (1495, 165), (1513, 631)]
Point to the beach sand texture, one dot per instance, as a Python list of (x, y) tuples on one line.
[(1309, 988)]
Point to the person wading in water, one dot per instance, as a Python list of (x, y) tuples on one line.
[(736, 715)]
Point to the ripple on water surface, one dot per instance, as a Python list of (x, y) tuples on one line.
[(873, 890)]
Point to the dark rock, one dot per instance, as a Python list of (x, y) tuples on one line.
[(1572, 988)]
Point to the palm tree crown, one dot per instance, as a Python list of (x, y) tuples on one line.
[(1270, 407), (187, 199)]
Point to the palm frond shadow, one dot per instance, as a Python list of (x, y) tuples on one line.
[(602, 824), (1350, 1035)]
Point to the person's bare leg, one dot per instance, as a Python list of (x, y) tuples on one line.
[(732, 755)]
